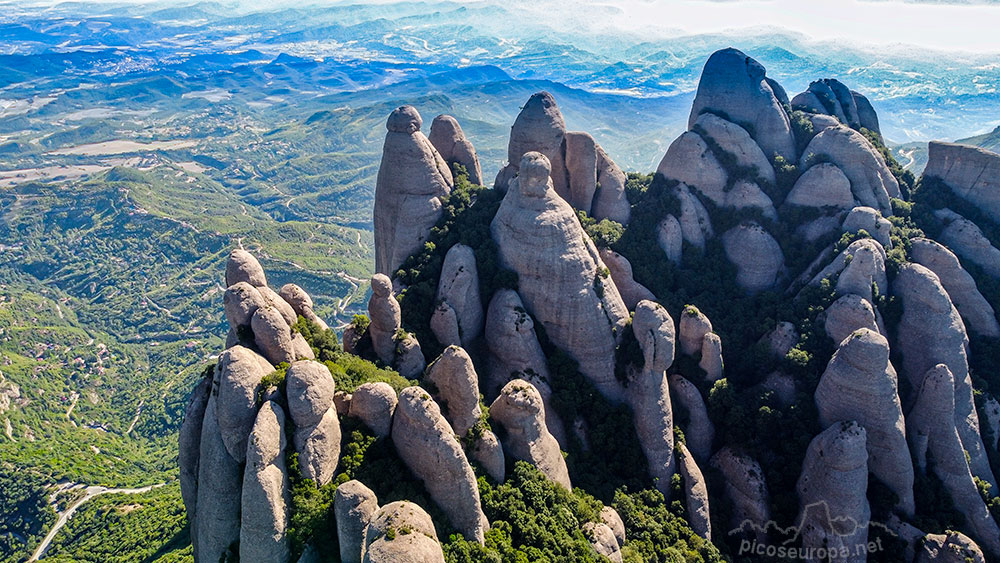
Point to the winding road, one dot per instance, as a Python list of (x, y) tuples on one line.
[(64, 516)]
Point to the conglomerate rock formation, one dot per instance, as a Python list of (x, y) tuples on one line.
[(825, 269)]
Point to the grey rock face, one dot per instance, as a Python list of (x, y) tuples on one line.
[(953, 547), (859, 384), (410, 362), (219, 477), (632, 292), (516, 353), (735, 140), (695, 494), (611, 518), (964, 238), (871, 182), (310, 389), (848, 314), (602, 537), (444, 325), (699, 432), (317, 435), (782, 339), (189, 448), (867, 117), (693, 327), (757, 256), (869, 270), (419, 545), (711, 357), (426, 443), (301, 303), (578, 163), (459, 289), (696, 225), (972, 173), (354, 504), (520, 410), (488, 452), (373, 404), (670, 237), (239, 372), (412, 180), (458, 388), (274, 300), (744, 487), (273, 335), (649, 393), (265, 501), (449, 140), (833, 508), (243, 267), (386, 318), (822, 185), (734, 84), (540, 238), (241, 301), (689, 160), (870, 220), (931, 332), (932, 431), (972, 306)]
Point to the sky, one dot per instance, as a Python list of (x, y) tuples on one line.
[(940, 25)]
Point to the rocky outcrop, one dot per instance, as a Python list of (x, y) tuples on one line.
[(402, 532), (457, 388), (273, 335), (868, 220), (578, 163), (869, 270), (867, 117), (410, 361), (539, 236), (859, 384), (373, 404), (301, 303), (239, 372), (632, 292), (695, 494), (386, 318), (412, 180), (458, 289), (189, 446), (354, 504), (757, 256), (649, 393), (822, 185), (310, 390), (831, 97), (972, 306), (931, 332), (515, 353), (696, 225), (699, 432), (833, 508), (240, 301), (782, 338), (670, 237), (871, 182), (519, 409), (691, 330), (602, 538), (744, 487), (613, 520), (427, 445), (933, 436), (972, 173), (734, 85), (951, 547), (711, 357), (449, 140), (735, 141), (243, 267), (847, 314), (219, 477), (966, 239), (265, 502)]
